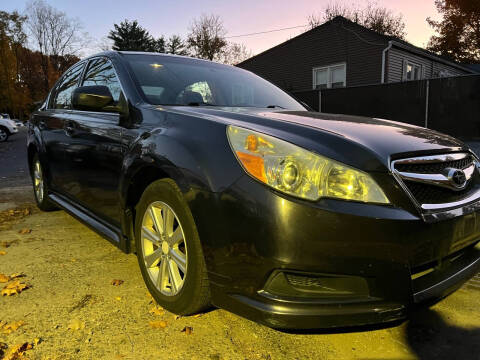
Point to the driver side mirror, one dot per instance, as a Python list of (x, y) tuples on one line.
[(93, 98)]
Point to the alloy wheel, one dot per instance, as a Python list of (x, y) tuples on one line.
[(3, 135), (38, 180), (164, 248)]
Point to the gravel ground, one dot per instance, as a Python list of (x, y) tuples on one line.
[(70, 270)]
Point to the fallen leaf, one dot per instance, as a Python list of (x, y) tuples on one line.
[(25, 231), (11, 327), (17, 275), (3, 253), (152, 300), (197, 315), (157, 310), (118, 298), (117, 282), (26, 212), (13, 288), (188, 330), (158, 324), (37, 341), (76, 324), (16, 351), (4, 278)]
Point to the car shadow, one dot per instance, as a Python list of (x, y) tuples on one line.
[(343, 330), (427, 334), (431, 337)]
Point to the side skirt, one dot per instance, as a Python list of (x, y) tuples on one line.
[(107, 231)]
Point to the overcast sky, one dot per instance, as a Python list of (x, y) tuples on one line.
[(239, 16)]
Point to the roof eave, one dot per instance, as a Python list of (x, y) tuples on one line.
[(424, 53)]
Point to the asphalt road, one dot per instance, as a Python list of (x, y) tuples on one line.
[(13, 160)]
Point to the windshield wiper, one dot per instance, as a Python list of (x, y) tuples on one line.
[(197, 103), (274, 106)]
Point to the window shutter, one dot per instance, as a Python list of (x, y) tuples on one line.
[(404, 72)]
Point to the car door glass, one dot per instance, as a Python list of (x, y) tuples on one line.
[(101, 72), (62, 98)]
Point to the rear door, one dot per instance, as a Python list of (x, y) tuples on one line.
[(96, 148), (51, 121)]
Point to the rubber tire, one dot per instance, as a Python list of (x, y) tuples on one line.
[(6, 132), (195, 293), (45, 204)]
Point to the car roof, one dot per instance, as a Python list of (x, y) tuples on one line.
[(111, 53)]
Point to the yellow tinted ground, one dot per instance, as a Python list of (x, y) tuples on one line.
[(71, 310)]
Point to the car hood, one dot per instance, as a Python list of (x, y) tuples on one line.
[(366, 143), (8, 122)]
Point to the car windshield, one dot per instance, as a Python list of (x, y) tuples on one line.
[(168, 80)]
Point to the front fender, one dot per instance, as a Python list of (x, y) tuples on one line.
[(195, 153)]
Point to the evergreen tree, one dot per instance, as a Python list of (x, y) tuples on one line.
[(176, 46), (160, 44), (129, 36)]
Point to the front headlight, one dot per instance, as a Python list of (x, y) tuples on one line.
[(298, 172)]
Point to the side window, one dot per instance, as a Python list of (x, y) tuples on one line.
[(101, 72), (61, 97)]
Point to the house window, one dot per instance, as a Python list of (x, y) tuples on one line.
[(412, 71), (326, 77)]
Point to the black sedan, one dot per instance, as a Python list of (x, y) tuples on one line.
[(232, 193)]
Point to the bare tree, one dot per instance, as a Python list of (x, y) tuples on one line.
[(372, 16), (104, 44), (53, 33), (207, 37), (234, 54)]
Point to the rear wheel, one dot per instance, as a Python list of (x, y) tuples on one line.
[(3, 134), (40, 187), (169, 251)]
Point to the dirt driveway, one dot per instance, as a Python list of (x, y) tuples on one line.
[(71, 310)]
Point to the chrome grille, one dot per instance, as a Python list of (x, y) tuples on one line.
[(434, 168), (431, 194), (429, 180)]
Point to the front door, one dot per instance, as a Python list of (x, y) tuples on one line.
[(96, 149)]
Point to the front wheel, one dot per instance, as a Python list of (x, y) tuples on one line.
[(3, 134), (40, 187), (169, 251)]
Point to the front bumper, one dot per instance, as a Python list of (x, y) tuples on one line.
[(403, 259), (317, 313)]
